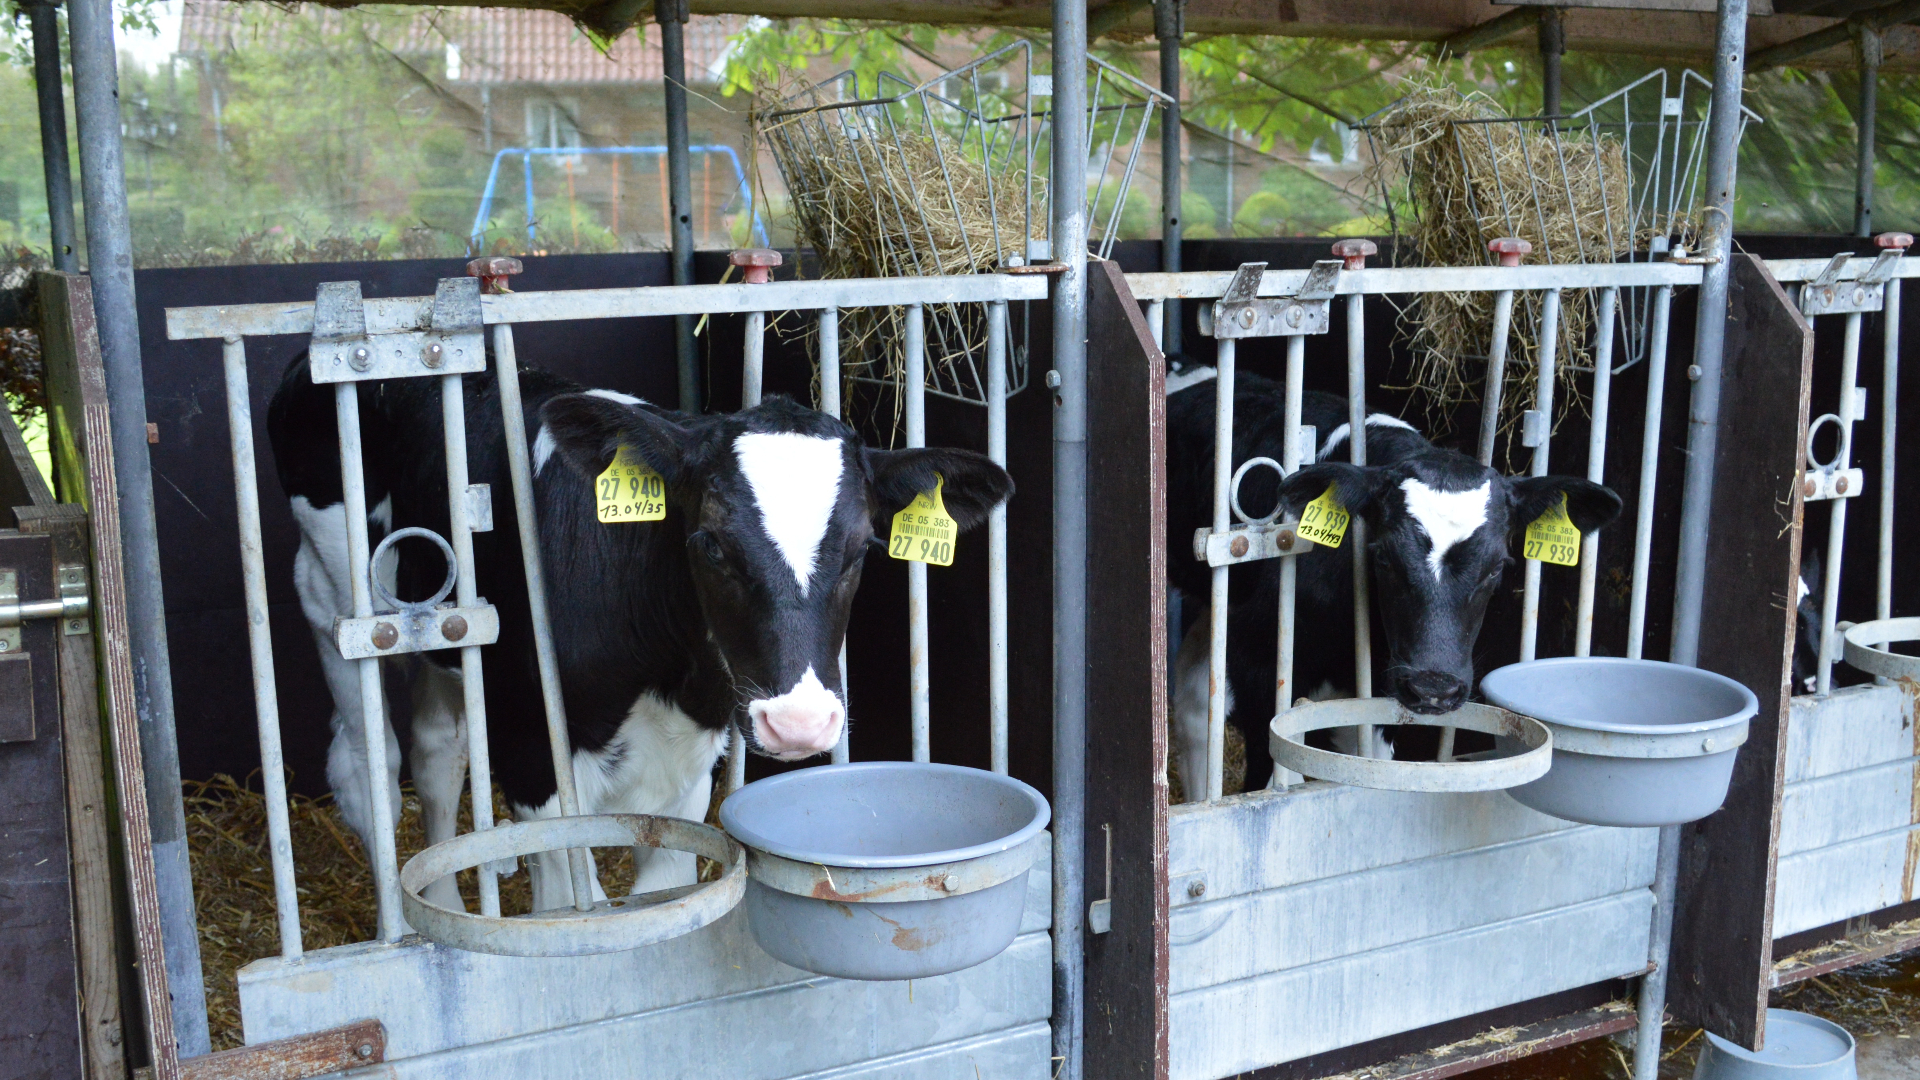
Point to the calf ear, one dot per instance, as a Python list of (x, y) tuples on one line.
[(1588, 504), (1352, 484), (971, 484), (588, 430)]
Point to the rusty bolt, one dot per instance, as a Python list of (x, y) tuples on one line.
[(435, 355), (1897, 240), (1196, 888), (1294, 314), (360, 359), (1810, 488), (1246, 318), (757, 262), (1238, 547), (1284, 540), (364, 1050), (1840, 485), (454, 628), (1355, 251), (385, 636), (1510, 249), (1859, 294), (493, 272)]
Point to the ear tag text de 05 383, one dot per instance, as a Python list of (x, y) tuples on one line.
[(1552, 537), (923, 532), (629, 490), (1325, 521)]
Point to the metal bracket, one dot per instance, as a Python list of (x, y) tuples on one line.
[(393, 633), (70, 606), (1249, 543), (1242, 314), (1821, 484), (479, 508), (346, 349), (1828, 295)]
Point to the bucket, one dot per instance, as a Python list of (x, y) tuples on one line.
[(886, 869), (1635, 742), (1799, 1047)]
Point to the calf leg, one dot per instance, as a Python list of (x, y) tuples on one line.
[(1190, 680), (439, 761)]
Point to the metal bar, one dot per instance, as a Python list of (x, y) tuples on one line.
[(1383, 280), (1069, 235), (918, 677), (526, 181), (672, 17), (453, 418), (1649, 471), (1496, 374), (1543, 403), (1652, 1005), (997, 540), (1606, 306), (57, 166), (96, 108), (1167, 19), (1157, 323), (1217, 609), (1357, 453), (753, 362), (1710, 330), (1553, 44), (1284, 690), (373, 706), (1837, 529), (520, 469), (1889, 410), (829, 323), (266, 699), (1867, 45)]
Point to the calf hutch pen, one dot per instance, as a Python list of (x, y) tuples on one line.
[(1370, 914)]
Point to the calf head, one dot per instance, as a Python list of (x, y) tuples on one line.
[(776, 505), (1439, 529)]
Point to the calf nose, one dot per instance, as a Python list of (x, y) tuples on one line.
[(800, 723), (1431, 693)]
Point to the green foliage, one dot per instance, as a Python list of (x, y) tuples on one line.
[(772, 52)]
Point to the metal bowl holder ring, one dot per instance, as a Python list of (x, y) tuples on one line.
[(1866, 647), (1475, 773)]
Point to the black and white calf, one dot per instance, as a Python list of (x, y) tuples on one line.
[(731, 611), (1439, 529)]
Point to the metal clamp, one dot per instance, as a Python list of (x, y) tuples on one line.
[(1240, 313), (1249, 543), (1826, 294), (1826, 479), (345, 348), (417, 626), (394, 603), (70, 606)]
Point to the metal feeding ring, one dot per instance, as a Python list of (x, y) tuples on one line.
[(1814, 429), (1233, 491), (1526, 757), (393, 602)]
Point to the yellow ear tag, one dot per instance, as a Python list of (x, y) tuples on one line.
[(1553, 538), (923, 532), (1325, 520), (629, 490)]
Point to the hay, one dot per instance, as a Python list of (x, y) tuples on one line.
[(1458, 173), (879, 194)]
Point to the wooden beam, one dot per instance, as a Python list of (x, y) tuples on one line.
[(1493, 31), (1105, 20), (1501, 1045), (1840, 33), (363, 1042), (1846, 952)]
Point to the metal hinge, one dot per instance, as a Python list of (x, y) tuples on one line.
[(1240, 313), (70, 606), (1826, 294), (345, 348)]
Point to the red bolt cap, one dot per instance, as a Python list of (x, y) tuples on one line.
[(1355, 251), (493, 272), (758, 263), (1898, 240), (1510, 249)]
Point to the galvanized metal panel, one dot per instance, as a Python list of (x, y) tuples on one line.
[(1846, 806), (1385, 280), (434, 998), (1308, 1010), (1266, 840), (1239, 937), (1829, 884), (1852, 728), (608, 1049)]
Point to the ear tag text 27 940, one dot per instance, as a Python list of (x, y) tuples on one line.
[(923, 532), (1325, 521), (629, 490), (1552, 537)]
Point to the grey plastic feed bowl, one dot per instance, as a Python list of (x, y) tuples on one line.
[(1798, 1047), (1635, 742), (886, 869)]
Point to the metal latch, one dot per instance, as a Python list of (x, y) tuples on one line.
[(70, 606), (1242, 314), (353, 341), (1100, 912), (1826, 294)]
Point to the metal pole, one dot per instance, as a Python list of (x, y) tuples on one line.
[(103, 181), (830, 404), (453, 418), (1837, 527), (753, 365), (672, 16), (918, 677), (1069, 229), (1649, 470), (1710, 330), (997, 540), (1224, 361), (1867, 51), (1653, 985), (53, 133), (1889, 410), (1496, 373), (1553, 45), (1289, 568), (1357, 454), (1167, 27), (1596, 462), (1543, 401)]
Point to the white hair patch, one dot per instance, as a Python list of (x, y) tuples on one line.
[(543, 448), (1447, 516), (796, 482), (615, 395), (1340, 434)]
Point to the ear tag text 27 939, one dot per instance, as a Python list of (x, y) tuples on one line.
[(1552, 537), (1325, 521), (923, 532), (629, 490)]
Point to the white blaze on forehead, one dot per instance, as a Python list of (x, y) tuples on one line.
[(1447, 516), (796, 482)]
